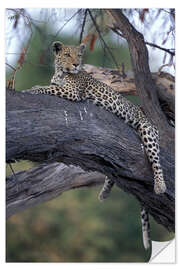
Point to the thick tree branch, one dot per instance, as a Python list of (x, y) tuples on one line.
[(45, 182), (48, 129)]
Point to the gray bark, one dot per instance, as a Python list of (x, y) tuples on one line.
[(48, 129), (45, 182)]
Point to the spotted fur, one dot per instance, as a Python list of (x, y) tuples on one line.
[(145, 228), (70, 81)]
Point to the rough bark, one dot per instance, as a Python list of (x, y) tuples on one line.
[(45, 182), (48, 129)]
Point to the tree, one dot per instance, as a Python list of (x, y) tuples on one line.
[(55, 137)]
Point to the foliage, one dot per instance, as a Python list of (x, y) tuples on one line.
[(76, 227)]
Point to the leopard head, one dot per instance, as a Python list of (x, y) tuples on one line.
[(68, 59)]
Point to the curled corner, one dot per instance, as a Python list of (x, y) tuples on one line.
[(163, 252)]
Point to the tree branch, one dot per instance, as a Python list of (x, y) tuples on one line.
[(48, 129), (160, 48), (45, 182), (144, 83), (83, 25), (114, 28)]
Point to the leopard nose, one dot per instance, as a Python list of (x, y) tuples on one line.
[(75, 65)]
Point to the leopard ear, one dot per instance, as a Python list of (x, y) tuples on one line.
[(82, 47), (57, 47)]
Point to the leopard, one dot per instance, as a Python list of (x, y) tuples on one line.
[(72, 82)]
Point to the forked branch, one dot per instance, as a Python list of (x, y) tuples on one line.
[(49, 129)]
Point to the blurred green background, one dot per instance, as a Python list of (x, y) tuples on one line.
[(75, 227)]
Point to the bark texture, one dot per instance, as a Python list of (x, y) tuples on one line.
[(47, 129), (45, 182)]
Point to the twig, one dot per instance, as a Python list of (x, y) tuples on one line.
[(11, 82), (161, 67), (100, 36), (123, 71), (83, 25), (20, 61), (104, 57), (13, 172), (161, 48), (79, 10), (11, 66), (115, 29)]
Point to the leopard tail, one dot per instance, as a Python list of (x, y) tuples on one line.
[(145, 228)]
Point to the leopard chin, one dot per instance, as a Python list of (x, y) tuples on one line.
[(75, 71)]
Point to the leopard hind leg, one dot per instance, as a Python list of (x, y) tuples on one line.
[(150, 137)]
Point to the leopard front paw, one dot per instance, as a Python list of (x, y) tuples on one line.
[(33, 90)]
